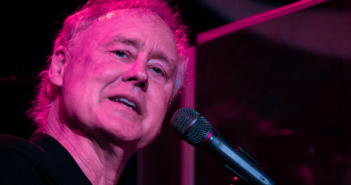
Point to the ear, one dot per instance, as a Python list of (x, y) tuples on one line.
[(57, 66)]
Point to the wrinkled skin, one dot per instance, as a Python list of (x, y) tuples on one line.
[(127, 54)]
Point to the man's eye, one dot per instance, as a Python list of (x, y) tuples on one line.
[(157, 70), (120, 54)]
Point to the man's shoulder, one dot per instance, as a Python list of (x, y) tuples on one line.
[(14, 142), (24, 162), (18, 145)]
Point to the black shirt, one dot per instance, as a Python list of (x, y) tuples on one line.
[(42, 160)]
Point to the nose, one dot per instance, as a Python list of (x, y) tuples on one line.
[(137, 74)]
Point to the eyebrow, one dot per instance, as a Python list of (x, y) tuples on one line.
[(137, 43), (124, 40), (163, 57)]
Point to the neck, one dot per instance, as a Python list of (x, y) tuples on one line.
[(101, 160)]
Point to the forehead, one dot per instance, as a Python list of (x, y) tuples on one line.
[(134, 23)]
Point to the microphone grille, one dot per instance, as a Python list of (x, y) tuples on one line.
[(190, 125)]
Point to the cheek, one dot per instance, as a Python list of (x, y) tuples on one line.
[(160, 97), (157, 107), (78, 90)]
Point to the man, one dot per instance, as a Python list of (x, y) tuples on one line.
[(115, 68)]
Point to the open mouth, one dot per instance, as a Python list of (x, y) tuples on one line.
[(125, 102)]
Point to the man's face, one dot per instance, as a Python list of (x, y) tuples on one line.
[(119, 76)]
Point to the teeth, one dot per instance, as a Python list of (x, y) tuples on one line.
[(126, 101)]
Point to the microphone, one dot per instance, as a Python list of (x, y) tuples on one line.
[(194, 128)]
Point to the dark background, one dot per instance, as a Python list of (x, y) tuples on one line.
[(287, 107)]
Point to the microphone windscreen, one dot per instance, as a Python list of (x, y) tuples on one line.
[(190, 125)]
